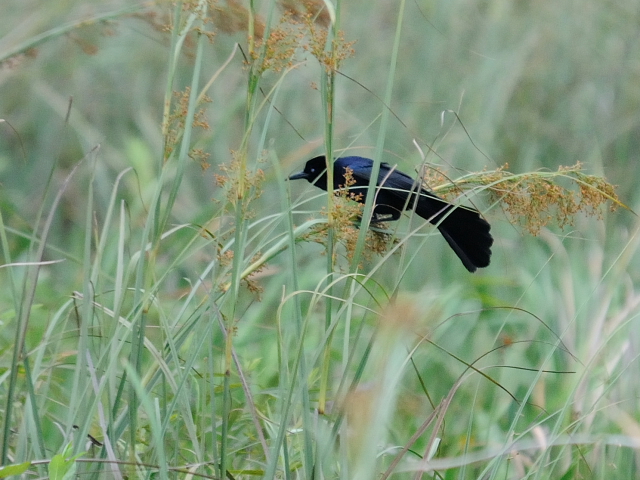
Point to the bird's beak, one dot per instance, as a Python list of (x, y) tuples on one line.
[(298, 176)]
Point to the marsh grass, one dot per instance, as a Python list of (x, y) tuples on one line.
[(151, 330)]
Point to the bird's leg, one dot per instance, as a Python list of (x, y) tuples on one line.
[(383, 217), (385, 213)]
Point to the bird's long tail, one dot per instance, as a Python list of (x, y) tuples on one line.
[(466, 232)]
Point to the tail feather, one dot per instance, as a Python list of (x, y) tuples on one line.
[(466, 232)]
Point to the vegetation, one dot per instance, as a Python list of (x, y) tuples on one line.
[(174, 307)]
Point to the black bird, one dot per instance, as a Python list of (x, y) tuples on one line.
[(466, 232)]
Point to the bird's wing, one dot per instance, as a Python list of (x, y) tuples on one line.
[(395, 180), (388, 176), (396, 183)]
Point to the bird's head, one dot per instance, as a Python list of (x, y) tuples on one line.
[(315, 171)]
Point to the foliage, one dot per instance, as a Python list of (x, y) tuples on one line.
[(171, 309)]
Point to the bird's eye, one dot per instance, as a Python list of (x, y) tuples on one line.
[(313, 170)]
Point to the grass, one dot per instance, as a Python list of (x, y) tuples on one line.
[(173, 307)]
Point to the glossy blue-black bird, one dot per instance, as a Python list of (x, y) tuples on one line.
[(466, 232)]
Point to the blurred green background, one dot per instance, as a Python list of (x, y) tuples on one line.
[(536, 85)]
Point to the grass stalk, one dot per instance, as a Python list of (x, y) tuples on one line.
[(328, 82), (23, 314)]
